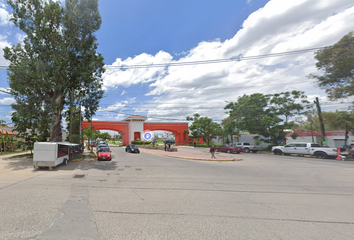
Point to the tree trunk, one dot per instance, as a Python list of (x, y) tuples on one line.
[(55, 130)]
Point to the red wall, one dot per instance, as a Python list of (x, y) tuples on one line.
[(121, 127), (178, 129)]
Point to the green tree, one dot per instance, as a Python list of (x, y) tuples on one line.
[(229, 128), (3, 123), (203, 127), (87, 133), (335, 65), (73, 122), (267, 115), (56, 61), (104, 135)]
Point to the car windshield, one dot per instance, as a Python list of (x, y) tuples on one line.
[(132, 146), (104, 150)]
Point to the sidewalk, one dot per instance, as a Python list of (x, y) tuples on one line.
[(184, 153)]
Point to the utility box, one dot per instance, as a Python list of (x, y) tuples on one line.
[(51, 154)]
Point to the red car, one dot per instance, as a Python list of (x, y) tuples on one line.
[(228, 149), (104, 154)]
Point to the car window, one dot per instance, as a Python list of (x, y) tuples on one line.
[(246, 143), (315, 145), (290, 145), (300, 144), (104, 150), (132, 146)]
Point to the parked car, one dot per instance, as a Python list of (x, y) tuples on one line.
[(101, 144), (229, 149), (93, 144), (131, 148), (104, 154), (247, 147), (302, 148)]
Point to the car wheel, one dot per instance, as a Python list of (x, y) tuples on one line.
[(278, 152), (321, 155), (228, 151), (138, 151), (216, 150), (246, 150), (126, 150)]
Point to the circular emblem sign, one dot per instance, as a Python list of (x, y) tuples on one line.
[(147, 136)]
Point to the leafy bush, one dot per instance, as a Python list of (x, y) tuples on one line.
[(138, 142)]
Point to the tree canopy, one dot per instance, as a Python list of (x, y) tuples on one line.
[(267, 114), (203, 127), (57, 59), (335, 65)]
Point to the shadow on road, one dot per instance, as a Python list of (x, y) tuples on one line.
[(99, 165), (18, 164)]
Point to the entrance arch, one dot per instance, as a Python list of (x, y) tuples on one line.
[(121, 127), (132, 126), (180, 130)]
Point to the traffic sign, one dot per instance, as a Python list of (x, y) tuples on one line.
[(147, 136)]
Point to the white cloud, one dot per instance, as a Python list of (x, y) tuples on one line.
[(280, 26), (7, 101), (118, 105)]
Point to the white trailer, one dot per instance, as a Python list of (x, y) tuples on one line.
[(51, 154)]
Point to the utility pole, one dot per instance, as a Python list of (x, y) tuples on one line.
[(80, 124), (91, 134), (71, 115), (323, 132)]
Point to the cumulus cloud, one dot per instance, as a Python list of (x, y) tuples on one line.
[(280, 26), (118, 105), (7, 101)]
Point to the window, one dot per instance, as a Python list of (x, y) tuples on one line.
[(300, 144), (290, 145)]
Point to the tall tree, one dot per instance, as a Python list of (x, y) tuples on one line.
[(74, 123), (56, 58), (203, 127), (229, 128), (335, 65), (267, 115)]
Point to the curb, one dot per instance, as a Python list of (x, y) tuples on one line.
[(198, 159)]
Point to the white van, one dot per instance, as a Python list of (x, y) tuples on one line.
[(51, 154)]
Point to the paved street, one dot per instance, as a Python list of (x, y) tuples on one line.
[(147, 196)]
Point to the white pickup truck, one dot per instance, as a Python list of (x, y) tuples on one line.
[(305, 149), (247, 147)]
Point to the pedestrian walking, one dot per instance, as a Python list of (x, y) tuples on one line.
[(212, 151)]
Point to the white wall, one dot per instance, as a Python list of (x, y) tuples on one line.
[(135, 126)]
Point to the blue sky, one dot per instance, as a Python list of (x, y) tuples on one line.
[(139, 32)]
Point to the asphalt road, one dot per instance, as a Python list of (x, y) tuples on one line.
[(143, 196)]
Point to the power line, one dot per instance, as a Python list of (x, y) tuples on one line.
[(232, 59)]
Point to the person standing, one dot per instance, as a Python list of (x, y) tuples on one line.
[(171, 147), (212, 151), (165, 146)]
